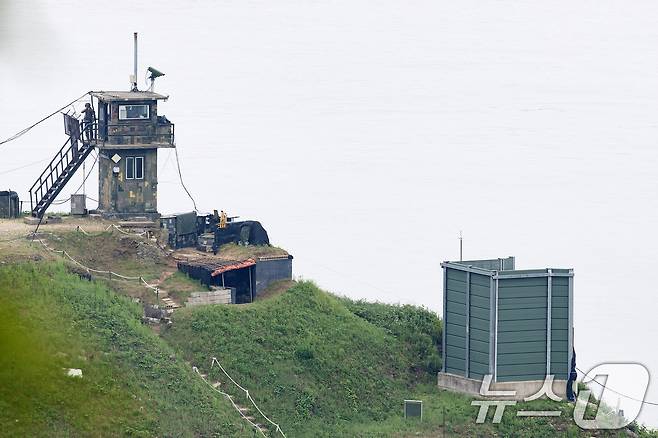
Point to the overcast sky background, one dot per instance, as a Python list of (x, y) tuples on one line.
[(365, 135)]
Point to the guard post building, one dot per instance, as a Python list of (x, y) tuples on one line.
[(514, 325), (129, 133)]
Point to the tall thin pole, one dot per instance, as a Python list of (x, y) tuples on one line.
[(135, 65), (461, 246)]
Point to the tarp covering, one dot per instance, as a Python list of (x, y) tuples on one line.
[(251, 232), (186, 223)]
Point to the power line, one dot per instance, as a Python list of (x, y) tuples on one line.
[(23, 167), (180, 175), (26, 130), (617, 392)]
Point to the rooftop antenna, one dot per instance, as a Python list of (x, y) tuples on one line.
[(461, 246), (133, 77)]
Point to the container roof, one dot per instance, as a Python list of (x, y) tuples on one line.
[(128, 95), (504, 268)]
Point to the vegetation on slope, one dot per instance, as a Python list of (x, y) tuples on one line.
[(132, 384), (319, 365), (323, 366), (418, 330)]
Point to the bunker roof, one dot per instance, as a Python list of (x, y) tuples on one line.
[(111, 96)]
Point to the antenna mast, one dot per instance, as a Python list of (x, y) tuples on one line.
[(134, 76), (461, 242)]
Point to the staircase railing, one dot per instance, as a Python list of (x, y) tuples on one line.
[(48, 177)]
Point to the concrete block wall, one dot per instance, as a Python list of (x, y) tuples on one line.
[(218, 296)]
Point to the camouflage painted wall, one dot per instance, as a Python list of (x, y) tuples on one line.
[(118, 194)]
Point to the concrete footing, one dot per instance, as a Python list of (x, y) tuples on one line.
[(523, 388)]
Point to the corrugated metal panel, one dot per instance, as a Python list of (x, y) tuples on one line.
[(455, 322), (479, 325), (522, 330), (520, 304)]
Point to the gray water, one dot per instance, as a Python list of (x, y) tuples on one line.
[(366, 135)]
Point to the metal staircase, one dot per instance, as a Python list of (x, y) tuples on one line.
[(57, 174)]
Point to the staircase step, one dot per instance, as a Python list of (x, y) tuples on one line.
[(216, 385)]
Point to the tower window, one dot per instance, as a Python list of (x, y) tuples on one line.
[(134, 167), (133, 112), (139, 167)]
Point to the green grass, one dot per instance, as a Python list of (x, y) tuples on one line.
[(126, 255), (179, 286), (418, 330), (323, 366), (233, 251), (319, 365), (132, 384)]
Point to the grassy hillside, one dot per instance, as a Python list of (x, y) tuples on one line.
[(319, 365), (323, 366), (132, 384)]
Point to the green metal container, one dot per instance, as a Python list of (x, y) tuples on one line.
[(516, 325)]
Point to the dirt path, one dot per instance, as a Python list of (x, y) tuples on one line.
[(10, 228)]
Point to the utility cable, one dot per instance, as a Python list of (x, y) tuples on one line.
[(180, 175), (26, 130), (24, 166), (617, 392)]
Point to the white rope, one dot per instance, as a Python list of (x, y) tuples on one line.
[(278, 428), (237, 408), (82, 230), (88, 269), (125, 232)]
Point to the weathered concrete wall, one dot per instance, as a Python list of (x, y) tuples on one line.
[(128, 196), (523, 388), (218, 296)]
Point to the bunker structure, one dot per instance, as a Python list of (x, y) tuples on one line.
[(514, 325), (9, 204), (249, 277)]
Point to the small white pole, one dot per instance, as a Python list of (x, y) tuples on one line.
[(461, 246)]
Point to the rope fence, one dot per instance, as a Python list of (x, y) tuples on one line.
[(110, 273), (230, 397)]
